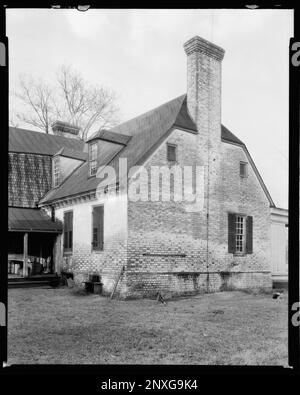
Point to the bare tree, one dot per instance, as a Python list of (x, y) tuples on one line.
[(85, 105), (72, 99), (37, 98)]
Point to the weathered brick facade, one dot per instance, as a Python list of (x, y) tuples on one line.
[(168, 249), (83, 261), (162, 244), (171, 249)]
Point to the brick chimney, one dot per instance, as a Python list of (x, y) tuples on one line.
[(204, 105), (204, 85), (65, 129)]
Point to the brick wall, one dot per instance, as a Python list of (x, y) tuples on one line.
[(167, 245), (164, 246), (29, 178), (244, 195), (107, 263)]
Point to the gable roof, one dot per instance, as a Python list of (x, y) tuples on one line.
[(69, 153), (148, 129), (143, 134), (31, 220), (227, 136), (108, 135), (29, 141)]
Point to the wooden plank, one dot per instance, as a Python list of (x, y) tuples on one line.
[(25, 255), (116, 284)]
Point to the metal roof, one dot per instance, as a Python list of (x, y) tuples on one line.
[(31, 220), (228, 136), (29, 141)]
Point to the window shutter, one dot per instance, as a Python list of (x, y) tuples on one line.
[(98, 223), (70, 239), (231, 233), (65, 239), (68, 230), (101, 226), (66, 227), (249, 235)]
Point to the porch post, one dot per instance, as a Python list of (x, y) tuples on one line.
[(57, 256), (25, 255)]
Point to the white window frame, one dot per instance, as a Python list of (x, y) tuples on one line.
[(240, 234), (93, 159), (55, 171)]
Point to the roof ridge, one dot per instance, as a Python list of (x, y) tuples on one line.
[(147, 113)]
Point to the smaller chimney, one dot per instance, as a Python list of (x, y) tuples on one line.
[(65, 129)]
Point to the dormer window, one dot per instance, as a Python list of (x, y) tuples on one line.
[(56, 171), (93, 158)]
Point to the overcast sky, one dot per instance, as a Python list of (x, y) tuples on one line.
[(139, 54)]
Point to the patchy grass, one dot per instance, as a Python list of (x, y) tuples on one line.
[(55, 326)]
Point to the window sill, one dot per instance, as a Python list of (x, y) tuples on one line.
[(67, 253), (173, 162), (239, 254)]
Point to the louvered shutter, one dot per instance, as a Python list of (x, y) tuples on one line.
[(249, 235), (98, 222), (231, 233), (68, 230)]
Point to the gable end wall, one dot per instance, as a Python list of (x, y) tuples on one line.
[(167, 246)]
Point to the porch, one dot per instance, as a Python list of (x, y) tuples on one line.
[(33, 246)]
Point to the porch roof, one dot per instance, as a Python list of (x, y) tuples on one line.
[(31, 220)]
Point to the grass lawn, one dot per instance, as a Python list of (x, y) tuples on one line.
[(55, 326)]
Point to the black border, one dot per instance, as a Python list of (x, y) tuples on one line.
[(91, 375)]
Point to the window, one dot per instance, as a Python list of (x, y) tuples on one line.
[(68, 231), (56, 174), (243, 169), (97, 228), (240, 234), (171, 152), (93, 158)]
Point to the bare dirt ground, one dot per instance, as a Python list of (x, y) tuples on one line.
[(54, 326)]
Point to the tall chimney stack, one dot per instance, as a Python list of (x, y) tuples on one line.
[(204, 85), (204, 105)]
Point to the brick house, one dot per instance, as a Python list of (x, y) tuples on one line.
[(155, 246)]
